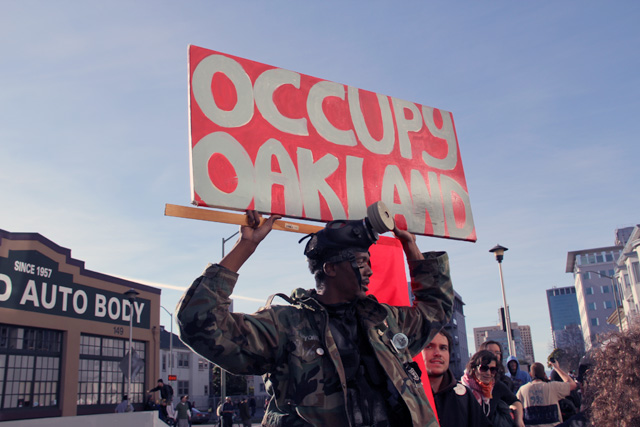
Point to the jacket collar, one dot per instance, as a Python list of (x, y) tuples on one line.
[(369, 309)]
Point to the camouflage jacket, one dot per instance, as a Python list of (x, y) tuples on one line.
[(292, 346)]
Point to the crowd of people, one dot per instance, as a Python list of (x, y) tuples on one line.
[(335, 356)]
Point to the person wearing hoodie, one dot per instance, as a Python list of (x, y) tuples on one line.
[(517, 375), (455, 404)]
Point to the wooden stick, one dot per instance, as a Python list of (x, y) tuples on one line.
[(205, 214)]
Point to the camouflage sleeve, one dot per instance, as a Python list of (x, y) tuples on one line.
[(240, 343), (433, 304)]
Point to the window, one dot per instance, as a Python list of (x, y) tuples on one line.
[(609, 257), (635, 267), (203, 364), (589, 291), (599, 258), (592, 306), (164, 362), (595, 321), (100, 378), (183, 388), (29, 366), (183, 361), (586, 275), (206, 390), (608, 304), (605, 289)]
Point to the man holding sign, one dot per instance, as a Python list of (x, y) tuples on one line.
[(334, 356)]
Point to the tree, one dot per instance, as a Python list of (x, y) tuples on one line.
[(236, 384)]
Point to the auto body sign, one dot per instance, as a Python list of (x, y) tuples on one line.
[(31, 281), (282, 142)]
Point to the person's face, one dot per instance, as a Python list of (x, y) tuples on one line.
[(436, 356), (495, 349), (347, 281), (512, 366), (486, 373)]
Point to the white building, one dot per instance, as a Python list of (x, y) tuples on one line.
[(191, 370), (627, 273)]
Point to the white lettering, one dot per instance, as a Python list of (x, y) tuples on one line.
[(65, 293), (454, 196), (76, 296), (427, 198), (114, 308), (139, 306), (101, 306), (224, 144), (24, 267), (406, 125), (313, 177), (447, 133), (317, 94), (393, 182), (266, 84), (49, 304), (242, 112), (30, 294), (4, 296), (126, 315), (355, 188), (288, 178), (385, 144)]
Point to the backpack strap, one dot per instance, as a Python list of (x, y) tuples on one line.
[(281, 295)]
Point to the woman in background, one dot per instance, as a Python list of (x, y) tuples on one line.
[(496, 399)]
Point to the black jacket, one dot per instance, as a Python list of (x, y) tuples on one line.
[(456, 405)]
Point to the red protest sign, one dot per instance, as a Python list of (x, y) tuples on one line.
[(282, 142)]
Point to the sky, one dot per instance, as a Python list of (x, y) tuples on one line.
[(545, 96)]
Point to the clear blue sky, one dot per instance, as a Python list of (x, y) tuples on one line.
[(545, 97)]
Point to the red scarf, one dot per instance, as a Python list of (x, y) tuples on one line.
[(481, 391)]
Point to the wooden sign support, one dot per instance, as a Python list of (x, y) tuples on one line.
[(205, 214)]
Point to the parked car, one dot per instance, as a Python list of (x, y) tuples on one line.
[(199, 417)]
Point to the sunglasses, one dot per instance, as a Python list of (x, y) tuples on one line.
[(485, 368)]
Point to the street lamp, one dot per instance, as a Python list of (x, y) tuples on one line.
[(223, 373), (131, 295), (499, 252), (170, 342), (615, 293)]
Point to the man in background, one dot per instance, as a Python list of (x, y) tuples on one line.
[(517, 375), (455, 404)]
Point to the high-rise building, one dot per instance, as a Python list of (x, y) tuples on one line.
[(565, 318), (521, 337), (459, 354), (457, 327), (593, 272)]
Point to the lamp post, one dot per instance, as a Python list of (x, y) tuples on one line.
[(170, 342), (499, 252), (223, 373), (131, 295), (615, 293)]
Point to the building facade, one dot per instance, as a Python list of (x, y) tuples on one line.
[(457, 327), (593, 273), (191, 371), (627, 273), (564, 315), (521, 337), (64, 333)]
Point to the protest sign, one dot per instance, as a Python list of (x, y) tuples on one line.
[(286, 143)]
